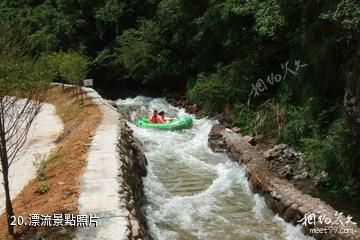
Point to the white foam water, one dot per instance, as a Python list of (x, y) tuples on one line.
[(193, 193)]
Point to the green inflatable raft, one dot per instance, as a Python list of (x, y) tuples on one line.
[(174, 124)]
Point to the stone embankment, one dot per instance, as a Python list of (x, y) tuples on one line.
[(111, 187), (132, 169), (322, 221)]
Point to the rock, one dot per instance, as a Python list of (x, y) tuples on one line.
[(267, 154), (245, 158), (216, 130), (270, 202), (291, 213), (236, 130), (228, 130), (275, 154), (301, 176), (289, 153), (254, 185), (250, 140), (259, 137), (135, 228), (218, 150), (303, 210), (282, 155), (287, 172)]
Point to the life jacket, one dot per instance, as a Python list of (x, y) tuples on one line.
[(152, 119)]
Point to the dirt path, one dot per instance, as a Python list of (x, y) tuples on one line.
[(46, 128)]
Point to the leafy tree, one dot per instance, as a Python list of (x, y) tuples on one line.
[(71, 67)]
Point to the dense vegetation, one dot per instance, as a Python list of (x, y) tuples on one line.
[(306, 53)]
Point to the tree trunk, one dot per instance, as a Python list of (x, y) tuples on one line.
[(5, 171), (81, 94), (9, 207), (76, 93)]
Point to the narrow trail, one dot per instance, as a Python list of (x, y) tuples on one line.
[(193, 193)]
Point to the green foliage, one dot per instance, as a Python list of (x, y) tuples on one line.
[(333, 151), (347, 15), (137, 51), (212, 50), (43, 189), (300, 123), (40, 164), (268, 118), (71, 66), (212, 91), (267, 14), (108, 16), (242, 116), (18, 72)]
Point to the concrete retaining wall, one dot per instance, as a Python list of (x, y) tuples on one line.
[(280, 195), (132, 169)]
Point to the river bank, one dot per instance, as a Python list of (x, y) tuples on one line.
[(300, 173), (111, 186), (280, 195)]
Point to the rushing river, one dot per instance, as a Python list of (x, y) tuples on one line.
[(193, 193)]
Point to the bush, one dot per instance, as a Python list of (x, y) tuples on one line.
[(211, 92), (299, 124), (242, 116), (334, 153), (268, 118), (216, 90), (42, 189)]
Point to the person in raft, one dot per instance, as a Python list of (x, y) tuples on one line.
[(153, 118), (162, 119)]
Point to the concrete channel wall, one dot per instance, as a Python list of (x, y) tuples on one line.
[(111, 186), (322, 221)]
